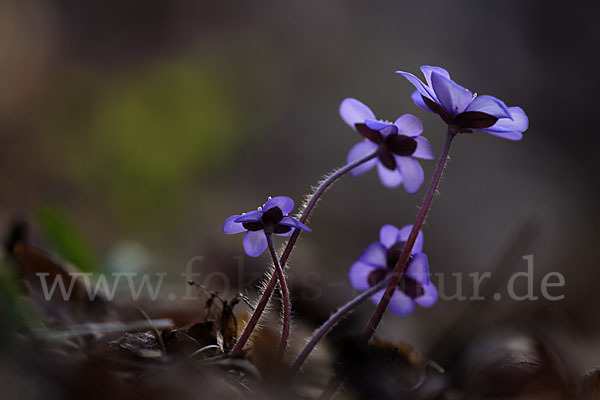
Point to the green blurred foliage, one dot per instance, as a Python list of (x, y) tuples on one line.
[(137, 140), (16, 310), (9, 288), (65, 238)]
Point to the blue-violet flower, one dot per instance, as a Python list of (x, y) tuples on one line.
[(462, 109), (379, 260), (396, 146), (271, 218)]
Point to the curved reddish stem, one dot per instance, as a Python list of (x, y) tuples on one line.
[(330, 323), (337, 380), (264, 300), (285, 297)]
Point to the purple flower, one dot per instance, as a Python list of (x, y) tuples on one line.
[(396, 146), (464, 110), (272, 217), (379, 260)]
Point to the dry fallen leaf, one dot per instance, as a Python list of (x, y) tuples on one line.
[(41, 271)]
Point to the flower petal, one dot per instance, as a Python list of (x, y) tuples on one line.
[(353, 112), (390, 178), (368, 133), (418, 99), (255, 243), (374, 255), (427, 70), (285, 204), (424, 149), (418, 269), (453, 97), (419, 85), (389, 235), (409, 125), (288, 233), (294, 223), (359, 275), (252, 216), (389, 130), (403, 234), (377, 296), (429, 296), (412, 173), (230, 226), (489, 105), (400, 303), (361, 150), (468, 120), (518, 123), (379, 125), (511, 135)]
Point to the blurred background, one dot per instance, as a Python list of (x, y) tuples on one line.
[(129, 131)]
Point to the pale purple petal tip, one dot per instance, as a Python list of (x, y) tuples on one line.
[(374, 255), (401, 304), (390, 178), (453, 97), (389, 235), (361, 150), (354, 112), (255, 242), (489, 105), (285, 204), (294, 223), (427, 70), (418, 269), (429, 296), (418, 99), (507, 135), (252, 216), (518, 123), (359, 275), (424, 149), (230, 226), (418, 84), (412, 173), (409, 125)]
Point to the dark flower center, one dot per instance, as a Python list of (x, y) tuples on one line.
[(376, 276), (393, 254), (411, 287), (408, 285), (464, 121), (390, 145), (272, 216), (269, 222), (253, 226)]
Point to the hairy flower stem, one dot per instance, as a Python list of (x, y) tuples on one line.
[(285, 297), (264, 300), (331, 322), (402, 261)]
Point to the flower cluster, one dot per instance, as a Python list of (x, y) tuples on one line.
[(393, 272), (464, 110), (396, 145), (378, 261), (271, 218)]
